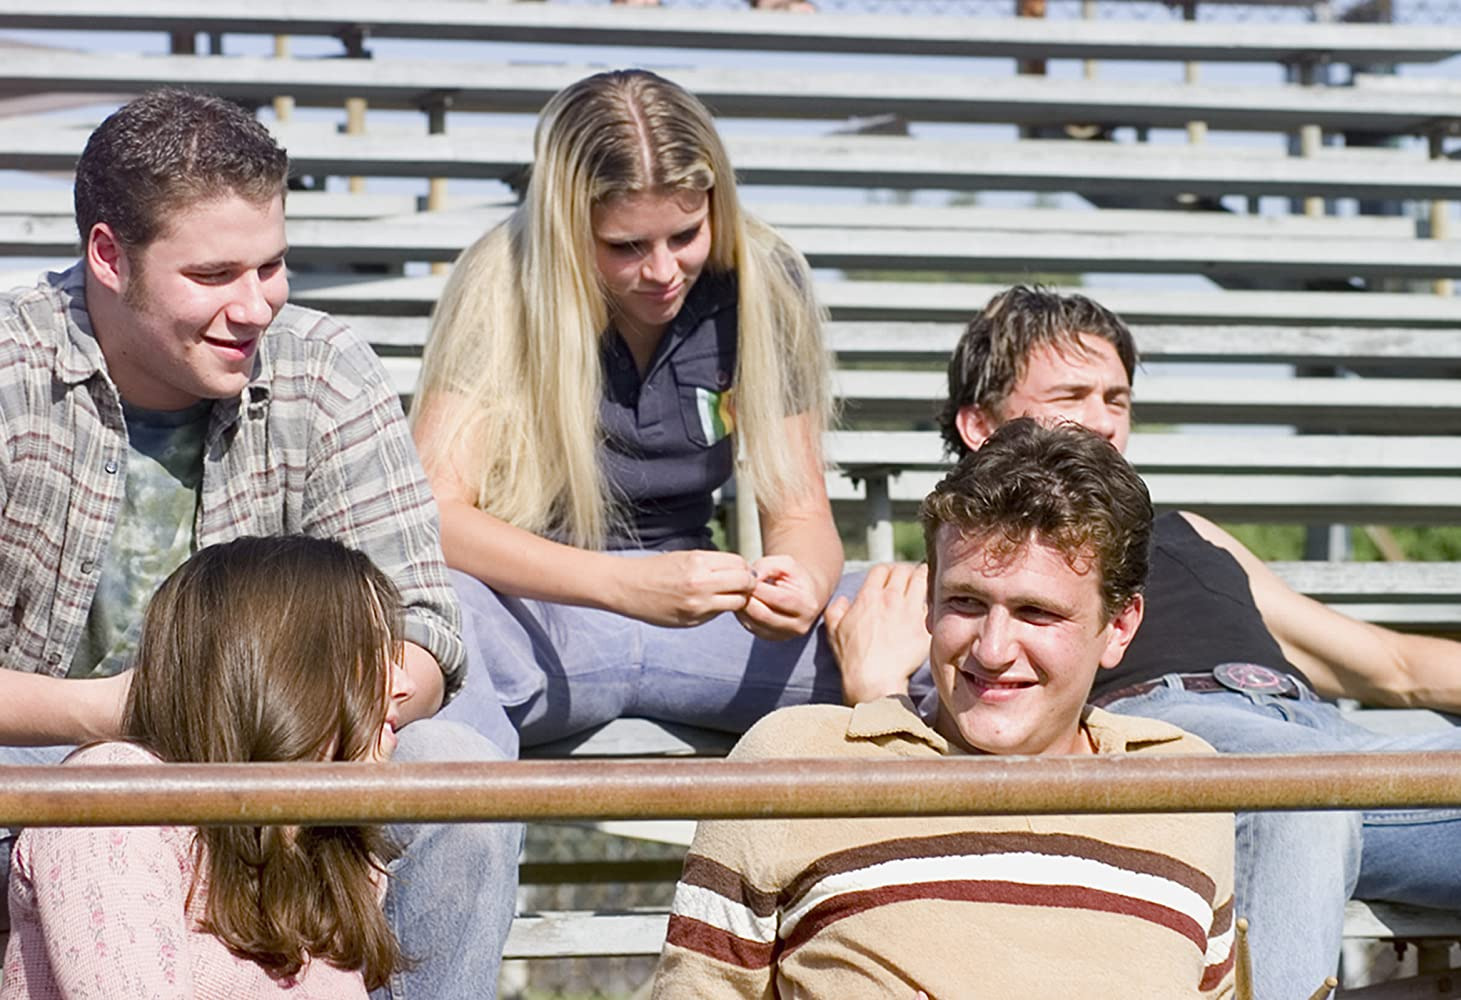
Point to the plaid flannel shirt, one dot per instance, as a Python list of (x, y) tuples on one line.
[(316, 444)]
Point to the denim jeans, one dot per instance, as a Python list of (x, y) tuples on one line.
[(452, 892), (1296, 870), (550, 670)]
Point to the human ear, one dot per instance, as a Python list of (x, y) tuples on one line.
[(1122, 630), (975, 425), (106, 257)]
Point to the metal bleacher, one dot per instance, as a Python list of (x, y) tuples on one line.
[(1311, 379)]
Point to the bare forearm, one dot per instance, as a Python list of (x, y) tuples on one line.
[(1378, 666), (36, 710), (812, 540), (520, 563)]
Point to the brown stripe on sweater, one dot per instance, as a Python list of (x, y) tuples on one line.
[(1213, 974), (1068, 897), (708, 874), (723, 946), (1222, 918), (1132, 859)]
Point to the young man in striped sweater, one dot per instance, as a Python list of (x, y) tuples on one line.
[(1037, 549)]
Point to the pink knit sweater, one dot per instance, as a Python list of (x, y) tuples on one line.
[(100, 912)]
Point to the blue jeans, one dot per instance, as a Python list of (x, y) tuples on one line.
[(1296, 870), (550, 670), (452, 892)]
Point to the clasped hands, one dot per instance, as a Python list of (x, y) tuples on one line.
[(774, 597)]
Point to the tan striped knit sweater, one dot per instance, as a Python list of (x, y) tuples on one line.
[(1005, 908)]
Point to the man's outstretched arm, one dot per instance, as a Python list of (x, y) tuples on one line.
[(36, 710), (1341, 656)]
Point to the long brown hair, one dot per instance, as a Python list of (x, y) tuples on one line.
[(276, 649)]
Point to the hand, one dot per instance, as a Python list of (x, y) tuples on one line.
[(880, 637), (785, 603), (680, 589), (417, 685)]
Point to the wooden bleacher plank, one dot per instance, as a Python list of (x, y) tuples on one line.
[(464, 218), (1368, 405), (584, 934), (637, 737), (895, 162), (1238, 454), (1400, 922), (1363, 499), (442, 238), (957, 301), (755, 93), (896, 34), (1414, 406), (932, 343)]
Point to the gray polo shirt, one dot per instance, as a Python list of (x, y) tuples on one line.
[(668, 443)]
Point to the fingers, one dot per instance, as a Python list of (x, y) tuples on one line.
[(835, 612), (718, 573), (765, 622), (779, 611)]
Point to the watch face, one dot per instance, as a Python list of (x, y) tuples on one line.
[(1250, 677)]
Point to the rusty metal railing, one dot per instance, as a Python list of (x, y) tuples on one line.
[(197, 794)]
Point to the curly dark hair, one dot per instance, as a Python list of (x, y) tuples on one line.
[(167, 149), (1064, 486)]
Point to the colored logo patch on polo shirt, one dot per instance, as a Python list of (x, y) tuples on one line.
[(717, 413)]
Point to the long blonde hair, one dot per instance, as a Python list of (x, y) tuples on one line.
[(511, 379)]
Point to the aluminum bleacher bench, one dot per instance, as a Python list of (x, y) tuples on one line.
[(754, 93), (1335, 254), (955, 302), (1106, 168), (883, 34)]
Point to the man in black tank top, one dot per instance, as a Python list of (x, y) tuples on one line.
[(1226, 651)]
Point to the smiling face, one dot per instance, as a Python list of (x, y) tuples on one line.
[(1017, 639), (649, 248), (1086, 386), (193, 303)]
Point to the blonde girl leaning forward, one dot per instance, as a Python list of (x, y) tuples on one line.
[(595, 365), (236, 663)]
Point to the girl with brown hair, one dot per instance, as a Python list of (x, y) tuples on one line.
[(261, 649)]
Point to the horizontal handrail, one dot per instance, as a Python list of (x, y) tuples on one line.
[(305, 794)]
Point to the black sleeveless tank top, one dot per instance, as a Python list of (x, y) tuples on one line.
[(1199, 613)]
